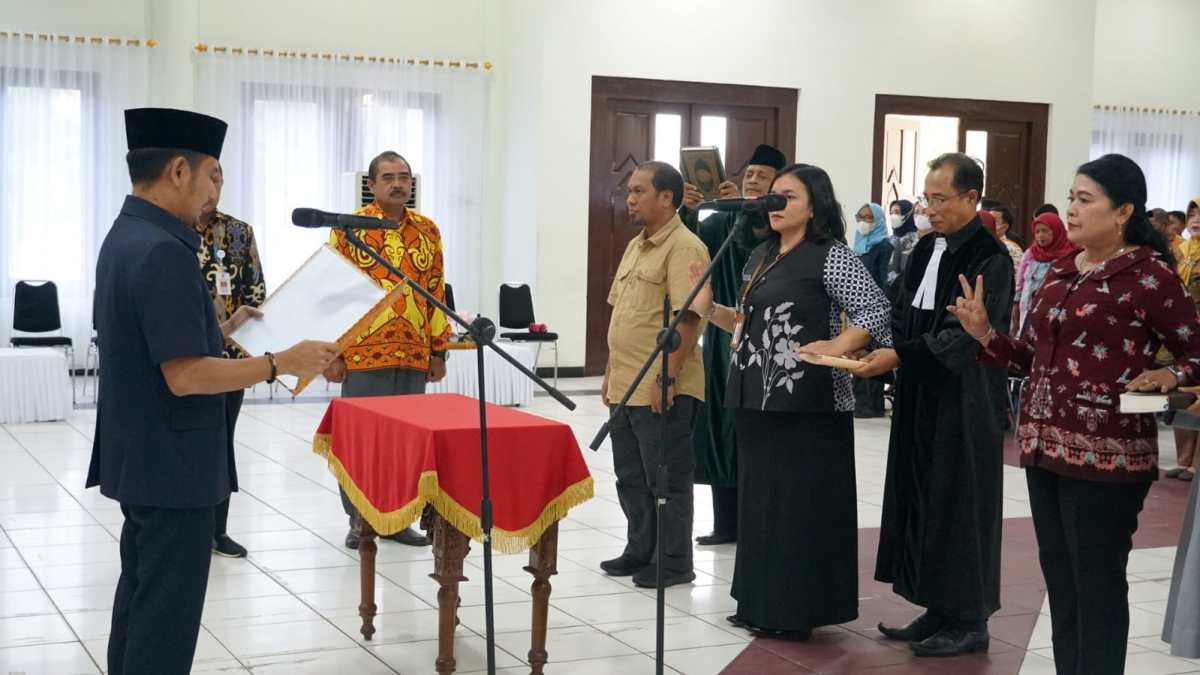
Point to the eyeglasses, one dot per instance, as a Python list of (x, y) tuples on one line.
[(936, 201)]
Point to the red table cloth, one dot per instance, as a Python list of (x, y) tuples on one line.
[(395, 454)]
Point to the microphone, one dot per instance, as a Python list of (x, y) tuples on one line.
[(315, 218), (760, 204)]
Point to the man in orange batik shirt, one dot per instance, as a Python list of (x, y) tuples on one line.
[(405, 347)]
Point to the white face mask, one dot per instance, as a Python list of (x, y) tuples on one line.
[(894, 221), (865, 227), (922, 222)]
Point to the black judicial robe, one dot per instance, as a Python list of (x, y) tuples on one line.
[(714, 439), (939, 540)]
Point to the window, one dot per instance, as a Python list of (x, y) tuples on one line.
[(712, 132), (42, 160), (287, 159), (668, 131)]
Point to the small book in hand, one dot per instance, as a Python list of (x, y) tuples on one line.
[(1141, 403)]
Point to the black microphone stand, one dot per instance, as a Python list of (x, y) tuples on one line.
[(668, 341), (483, 332)]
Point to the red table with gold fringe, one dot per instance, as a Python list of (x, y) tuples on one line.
[(393, 455)]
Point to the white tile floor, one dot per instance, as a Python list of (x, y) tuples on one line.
[(292, 606)]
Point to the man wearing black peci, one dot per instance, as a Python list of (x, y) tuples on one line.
[(160, 444)]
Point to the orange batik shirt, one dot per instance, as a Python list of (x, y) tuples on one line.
[(405, 334)]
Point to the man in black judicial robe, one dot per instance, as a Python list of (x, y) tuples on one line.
[(714, 438), (160, 445), (939, 541)]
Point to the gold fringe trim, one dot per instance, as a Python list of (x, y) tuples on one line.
[(460, 517)]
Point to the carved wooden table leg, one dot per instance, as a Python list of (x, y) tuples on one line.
[(449, 549), (366, 571), (543, 564)]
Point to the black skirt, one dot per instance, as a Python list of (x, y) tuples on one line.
[(797, 553)]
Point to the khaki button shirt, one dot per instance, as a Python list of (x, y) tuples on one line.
[(651, 269)]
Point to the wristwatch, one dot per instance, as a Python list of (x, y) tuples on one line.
[(1179, 375), (670, 381), (443, 355)]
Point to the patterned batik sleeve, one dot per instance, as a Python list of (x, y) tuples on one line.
[(253, 288), (436, 321), (1172, 317), (852, 289), (1005, 351)]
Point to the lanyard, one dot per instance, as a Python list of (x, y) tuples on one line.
[(759, 273)]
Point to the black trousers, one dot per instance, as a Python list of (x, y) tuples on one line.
[(1084, 533), (165, 554), (725, 510), (233, 407), (636, 439)]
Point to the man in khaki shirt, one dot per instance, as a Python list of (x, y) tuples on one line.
[(655, 265)]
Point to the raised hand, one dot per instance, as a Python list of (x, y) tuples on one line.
[(728, 190), (970, 310), (692, 196)]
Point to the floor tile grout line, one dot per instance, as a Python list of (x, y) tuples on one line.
[(41, 586)]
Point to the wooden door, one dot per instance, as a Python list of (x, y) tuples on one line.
[(625, 119), (1015, 162), (1006, 164)]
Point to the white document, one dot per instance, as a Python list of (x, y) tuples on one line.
[(328, 298), (1136, 403)]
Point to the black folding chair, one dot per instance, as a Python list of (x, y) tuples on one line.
[(35, 311), (516, 311)]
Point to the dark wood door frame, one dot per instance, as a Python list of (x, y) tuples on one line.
[(711, 98), (1035, 115)]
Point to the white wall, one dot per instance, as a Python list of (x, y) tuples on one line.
[(1147, 53), (112, 18)]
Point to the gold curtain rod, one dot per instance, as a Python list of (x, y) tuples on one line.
[(356, 58), (78, 39), (1158, 110)]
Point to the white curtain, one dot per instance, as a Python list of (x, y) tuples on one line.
[(299, 127), (62, 166), (1166, 146)]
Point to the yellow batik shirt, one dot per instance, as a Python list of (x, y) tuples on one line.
[(406, 334)]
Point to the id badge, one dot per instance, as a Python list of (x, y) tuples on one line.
[(224, 284), (740, 322)]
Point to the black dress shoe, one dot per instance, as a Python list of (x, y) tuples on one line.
[(408, 537), (224, 546), (954, 641), (648, 578), (738, 621), (352, 540), (921, 628), (622, 566), (716, 539)]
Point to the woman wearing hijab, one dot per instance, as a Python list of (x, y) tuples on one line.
[(1186, 438), (874, 247), (914, 226), (1049, 244)]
